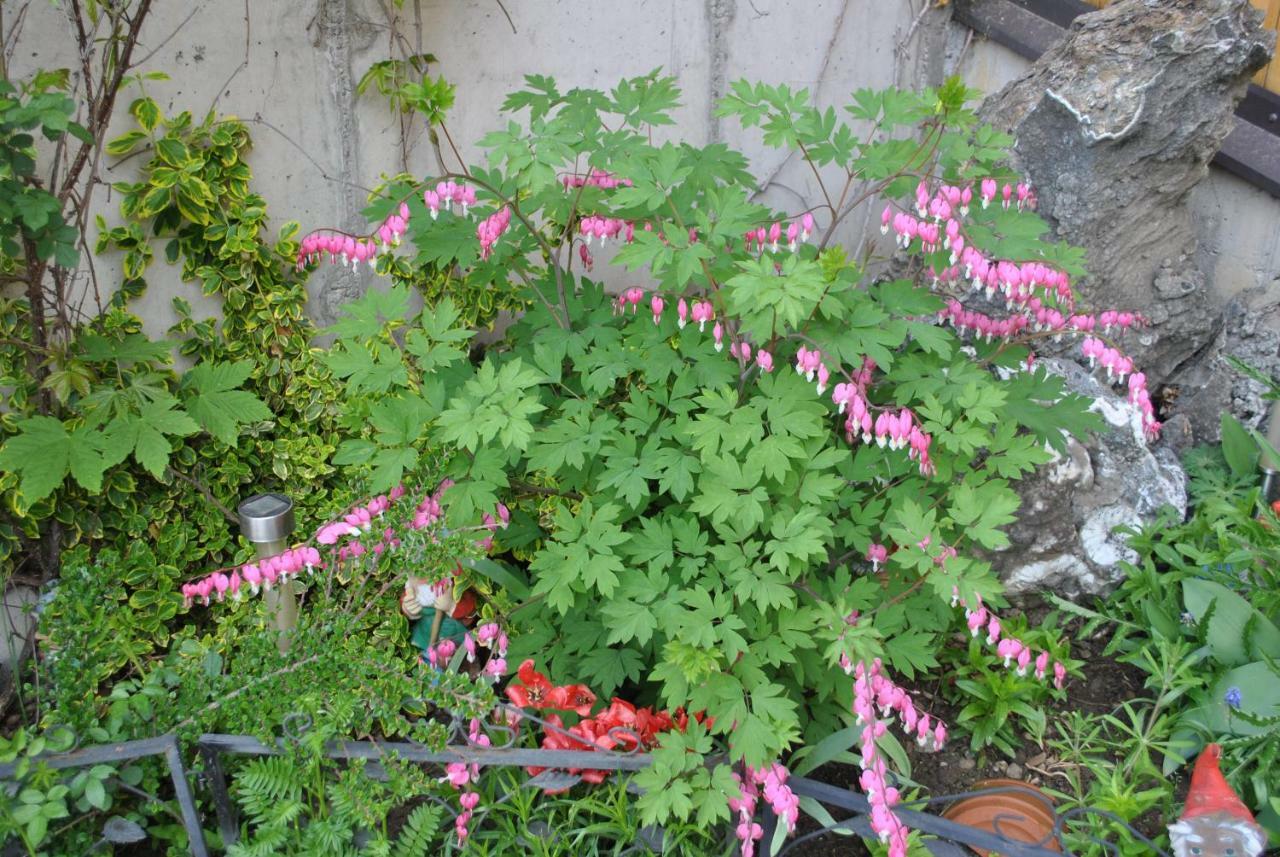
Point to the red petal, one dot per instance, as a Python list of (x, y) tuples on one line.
[(580, 698), (527, 672), (531, 677), (557, 698)]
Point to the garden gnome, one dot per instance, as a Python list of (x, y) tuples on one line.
[(421, 594), (1215, 822)]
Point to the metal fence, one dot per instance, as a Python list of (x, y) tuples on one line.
[(562, 769)]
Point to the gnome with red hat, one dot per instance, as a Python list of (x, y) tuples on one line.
[(1215, 822)]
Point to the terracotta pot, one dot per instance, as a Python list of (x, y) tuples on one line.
[(1023, 813)]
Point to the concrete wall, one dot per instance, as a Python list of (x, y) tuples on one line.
[(290, 68)]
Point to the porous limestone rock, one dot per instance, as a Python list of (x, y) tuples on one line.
[(1065, 538)]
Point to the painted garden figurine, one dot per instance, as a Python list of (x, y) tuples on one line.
[(434, 613), (1215, 822)]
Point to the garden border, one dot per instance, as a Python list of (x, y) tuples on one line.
[(559, 765)]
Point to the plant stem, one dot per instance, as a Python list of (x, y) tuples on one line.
[(208, 495)]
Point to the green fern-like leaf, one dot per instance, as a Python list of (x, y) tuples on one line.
[(265, 843), (269, 791), (378, 846), (327, 836), (358, 800), (418, 835), (1262, 722), (273, 776)]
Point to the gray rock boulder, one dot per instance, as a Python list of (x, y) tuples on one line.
[(1064, 539), (1210, 386), (1115, 125)]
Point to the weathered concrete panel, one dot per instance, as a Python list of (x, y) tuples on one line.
[(289, 68)]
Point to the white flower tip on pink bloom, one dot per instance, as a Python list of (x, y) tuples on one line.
[(1024, 661), (824, 375), (993, 631), (682, 313), (765, 361), (1059, 675)]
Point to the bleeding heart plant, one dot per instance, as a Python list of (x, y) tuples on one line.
[(699, 523)]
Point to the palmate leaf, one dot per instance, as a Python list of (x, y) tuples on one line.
[(431, 342), (44, 452), (763, 298), (144, 434), (367, 317), (134, 348), (365, 372), (1068, 413), (211, 396), (494, 403)]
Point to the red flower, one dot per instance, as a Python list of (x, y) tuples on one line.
[(619, 713), (619, 726), (649, 724), (535, 690), (560, 738), (682, 719), (594, 777), (577, 697)]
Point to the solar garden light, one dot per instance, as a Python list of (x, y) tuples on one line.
[(266, 520), (1270, 463)]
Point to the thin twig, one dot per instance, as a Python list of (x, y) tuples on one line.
[(508, 16), (528, 488), (324, 174), (208, 495), (182, 26)]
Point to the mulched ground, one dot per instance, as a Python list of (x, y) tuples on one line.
[(955, 769)]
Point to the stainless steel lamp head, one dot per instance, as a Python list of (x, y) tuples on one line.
[(266, 519)]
